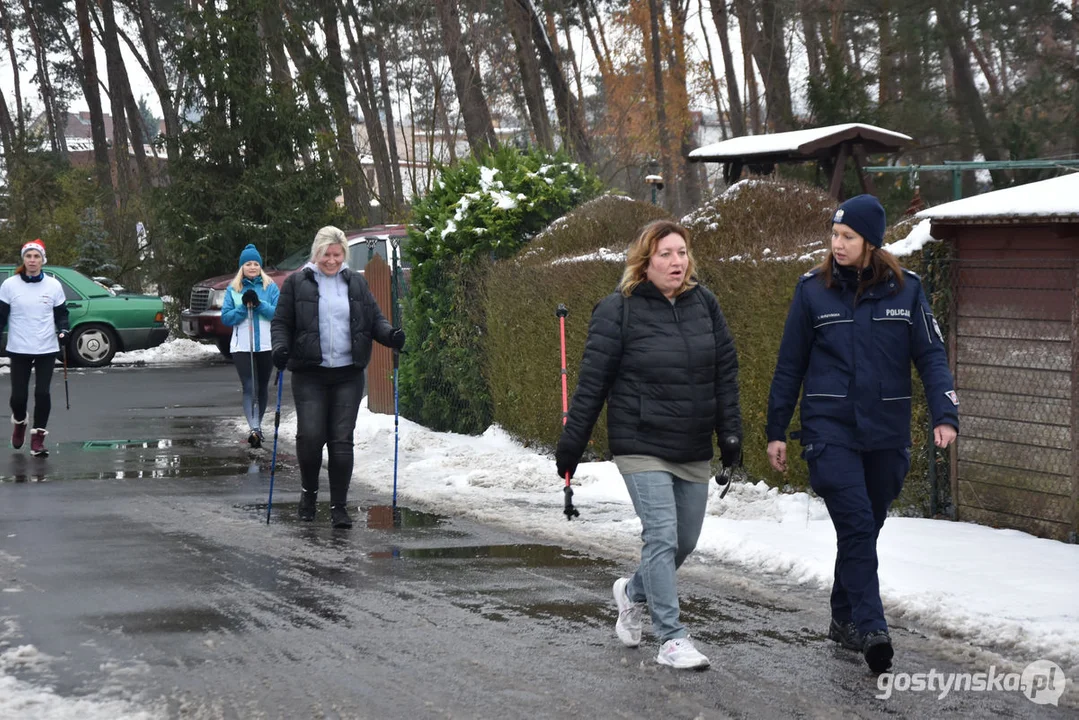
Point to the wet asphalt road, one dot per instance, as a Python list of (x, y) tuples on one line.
[(136, 556)]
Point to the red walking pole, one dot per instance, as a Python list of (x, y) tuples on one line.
[(562, 312)]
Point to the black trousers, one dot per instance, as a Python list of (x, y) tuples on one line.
[(42, 366), (327, 401)]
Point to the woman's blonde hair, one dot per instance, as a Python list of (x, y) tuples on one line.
[(326, 237), (642, 249), (237, 283)]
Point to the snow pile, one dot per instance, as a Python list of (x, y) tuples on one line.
[(1003, 589), (177, 350), (913, 242)]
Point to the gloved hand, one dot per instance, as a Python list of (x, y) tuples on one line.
[(565, 463), (251, 298), (61, 335), (280, 358), (730, 451), (397, 339)]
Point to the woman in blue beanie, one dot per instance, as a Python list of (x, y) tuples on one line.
[(856, 323), (249, 306)]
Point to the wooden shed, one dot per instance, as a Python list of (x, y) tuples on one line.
[(1014, 349)]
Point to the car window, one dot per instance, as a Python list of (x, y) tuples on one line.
[(295, 261), (358, 253), (70, 293)]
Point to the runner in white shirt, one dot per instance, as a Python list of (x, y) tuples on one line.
[(34, 309)]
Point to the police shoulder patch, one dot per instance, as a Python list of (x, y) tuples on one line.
[(953, 397), (936, 328), (912, 273), (810, 274)]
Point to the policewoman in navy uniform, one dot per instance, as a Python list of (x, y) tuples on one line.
[(856, 322)]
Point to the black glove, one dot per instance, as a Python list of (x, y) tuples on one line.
[(730, 451), (280, 357), (565, 463), (397, 339), (61, 335), (251, 299)]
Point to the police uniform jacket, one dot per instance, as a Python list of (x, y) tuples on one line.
[(670, 376), (851, 360)]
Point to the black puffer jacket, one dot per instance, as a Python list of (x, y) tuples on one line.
[(295, 324), (671, 377)]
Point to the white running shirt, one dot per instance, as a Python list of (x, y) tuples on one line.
[(31, 328)]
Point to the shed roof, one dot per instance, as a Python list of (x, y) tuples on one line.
[(1053, 199), (800, 144)]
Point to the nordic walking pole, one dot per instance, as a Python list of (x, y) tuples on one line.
[(254, 375), (396, 415), (67, 395), (276, 424), (562, 312)]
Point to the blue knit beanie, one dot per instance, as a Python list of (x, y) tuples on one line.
[(865, 215), (250, 253)]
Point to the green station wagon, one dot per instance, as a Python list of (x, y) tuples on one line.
[(103, 322)]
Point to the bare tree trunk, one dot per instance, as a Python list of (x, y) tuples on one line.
[(519, 26), (391, 136), (967, 98), (721, 19), (656, 60), (19, 122), (1075, 76), (983, 63), (603, 60), (569, 115), (768, 46), (814, 55), (158, 78), (689, 190), (573, 58), (365, 95), (716, 95), (885, 74), (102, 166), (749, 72), (52, 116), (114, 63), (477, 116), (353, 186)]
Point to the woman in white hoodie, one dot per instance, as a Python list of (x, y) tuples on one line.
[(34, 309), (322, 332)]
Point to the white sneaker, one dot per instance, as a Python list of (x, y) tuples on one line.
[(680, 653), (628, 626)]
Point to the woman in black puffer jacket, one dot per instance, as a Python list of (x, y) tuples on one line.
[(659, 352), (322, 331)]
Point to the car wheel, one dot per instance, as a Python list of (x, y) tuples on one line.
[(93, 345), (223, 345)]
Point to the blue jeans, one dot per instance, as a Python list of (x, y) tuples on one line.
[(672, 513), (254, 387)]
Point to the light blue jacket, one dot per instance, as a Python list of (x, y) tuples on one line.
[(234, 314)]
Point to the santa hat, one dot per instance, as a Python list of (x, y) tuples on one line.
[(38, 245)]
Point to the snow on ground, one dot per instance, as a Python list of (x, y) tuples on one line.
[(1000, 589), (171, 351), (31, 701)]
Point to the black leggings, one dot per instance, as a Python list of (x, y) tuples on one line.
[(20, 386)]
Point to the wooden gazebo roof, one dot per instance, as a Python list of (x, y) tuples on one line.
[(830, 146)]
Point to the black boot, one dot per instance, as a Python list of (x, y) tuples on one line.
[(307, 505), (255, 439), (846, 634), (339, 517), (877, 650)]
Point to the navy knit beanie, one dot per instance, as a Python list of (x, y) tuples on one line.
[(865, 215), (250, 253)]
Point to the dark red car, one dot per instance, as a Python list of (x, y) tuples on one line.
[(201, 320)]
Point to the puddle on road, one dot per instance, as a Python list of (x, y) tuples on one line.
[(375, 517), (170, 620)]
